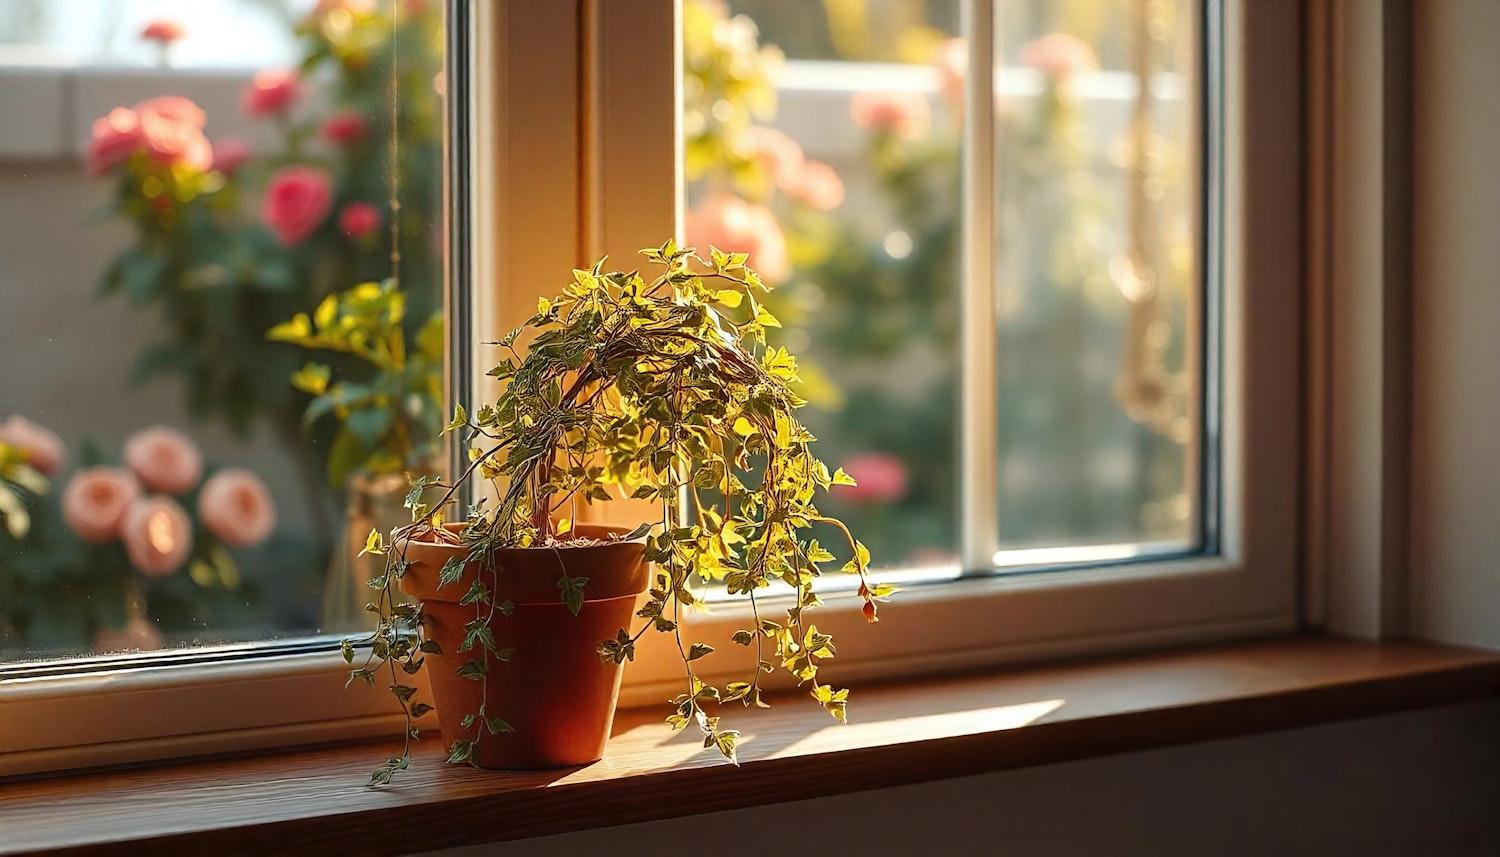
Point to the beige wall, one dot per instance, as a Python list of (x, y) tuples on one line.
[(1456, 431)]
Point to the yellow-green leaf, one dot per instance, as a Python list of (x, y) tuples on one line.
[(460, 419), (312, 378)]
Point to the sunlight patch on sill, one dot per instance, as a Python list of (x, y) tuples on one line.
[(853, 735)]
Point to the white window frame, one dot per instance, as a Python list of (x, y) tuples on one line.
[(602, 78)]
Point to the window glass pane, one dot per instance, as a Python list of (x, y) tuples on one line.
[(1097, 275), (837, 169), (825, 139), (175, 473)]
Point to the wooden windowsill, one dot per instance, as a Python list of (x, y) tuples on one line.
[(314, 802)]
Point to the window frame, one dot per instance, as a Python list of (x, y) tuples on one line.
[(1249, 585), (605, 180)]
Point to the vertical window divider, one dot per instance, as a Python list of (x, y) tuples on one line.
[(979, 471)]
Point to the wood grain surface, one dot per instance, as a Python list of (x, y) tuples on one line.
[(314, 801)]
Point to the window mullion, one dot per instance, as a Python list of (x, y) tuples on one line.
[(979, 517)]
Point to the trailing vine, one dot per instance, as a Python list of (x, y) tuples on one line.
[(662, 390)]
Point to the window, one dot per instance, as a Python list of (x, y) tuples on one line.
[(1033, 359), (222, 341), (1005, 390)]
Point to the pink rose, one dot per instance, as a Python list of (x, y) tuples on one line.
[(158, 535), (116, 136), (1059, 56), (236, 507), (296, 201), (781, 155), (818, 186), (163, 31), (173, 132), (951, 59), (94, 503), (345, 128), (43, 449), (271, 92), (230, 154), (174, 108), (734, 225), (881, 477), (164, 459), (903, 114), (138, 635), (359, 220)]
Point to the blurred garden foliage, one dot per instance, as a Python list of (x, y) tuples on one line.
[(229, 242), (870, 288)]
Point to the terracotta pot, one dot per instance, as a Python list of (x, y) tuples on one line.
[(555, 691)]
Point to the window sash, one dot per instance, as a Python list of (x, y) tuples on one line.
[(1243, 579), (538, 73)]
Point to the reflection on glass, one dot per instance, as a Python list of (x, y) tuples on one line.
[(1097, 273), (833, 177), (825, 140), (215, 367)]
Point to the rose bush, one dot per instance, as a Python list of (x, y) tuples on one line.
[(164, 459), (296, 202)]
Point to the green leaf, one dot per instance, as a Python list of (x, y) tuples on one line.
[(383, 774), (861, 560), (463, 751), (420, 709), (293, 331), (572, 592), (460, 419), (477, 632), (452, 570), (818, 553), (496, 725), (478, 593), (403, 692), (312, 378), (346, 648), (698, 650), (726, 741), (744, 638), (324, 315), (372, 544), (369, 424), (474, 668)]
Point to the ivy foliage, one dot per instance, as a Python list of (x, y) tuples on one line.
[(660, 389), (18, 480), (387, 423)]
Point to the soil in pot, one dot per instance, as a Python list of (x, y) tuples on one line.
[(554, 691)]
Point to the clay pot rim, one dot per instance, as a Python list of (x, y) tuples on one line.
[(458, 527)]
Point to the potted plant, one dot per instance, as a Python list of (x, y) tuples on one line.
[(662, 390)]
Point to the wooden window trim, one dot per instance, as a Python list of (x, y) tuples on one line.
[(312, 800)]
